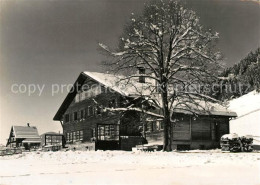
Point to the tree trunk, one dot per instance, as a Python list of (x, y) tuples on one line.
[(167, 122)]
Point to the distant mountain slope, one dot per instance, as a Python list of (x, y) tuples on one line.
[(241, 78), (247, 70)]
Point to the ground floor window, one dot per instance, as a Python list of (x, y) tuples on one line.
[(75, 136), (93, 132), (108, 132), (81, 135), (154, 126)]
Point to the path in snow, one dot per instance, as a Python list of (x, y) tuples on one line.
[(118, 167)]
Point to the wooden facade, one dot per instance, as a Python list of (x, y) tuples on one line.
[(190, 132), (26, 137), (97, 117)]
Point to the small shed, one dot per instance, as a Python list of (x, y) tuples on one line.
[(52, 141)]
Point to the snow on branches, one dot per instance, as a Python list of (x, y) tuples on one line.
[(169, 42)]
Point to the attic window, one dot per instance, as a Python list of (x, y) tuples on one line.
[(77, 98), (141, 72)]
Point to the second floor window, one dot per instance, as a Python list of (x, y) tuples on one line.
[(81, 114), (67, 118), (75, 116), (86, 112), (90, 110), (68, 136), (99, 109), (93, 132)]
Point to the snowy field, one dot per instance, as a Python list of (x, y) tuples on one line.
[(119, 167)]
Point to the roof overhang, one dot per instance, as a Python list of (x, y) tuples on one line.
[(207, 113), (69, 98), (84, 75), (32, 140)]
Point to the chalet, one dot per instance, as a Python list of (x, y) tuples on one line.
[(100, 110), (247, 121), (24, 136)]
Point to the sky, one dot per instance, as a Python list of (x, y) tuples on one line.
[(46, 44)]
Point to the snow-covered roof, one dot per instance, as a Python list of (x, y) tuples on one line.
[(245, 104), (132, 87), (120, 83), (32, 140), (203, 107), (25, 132)]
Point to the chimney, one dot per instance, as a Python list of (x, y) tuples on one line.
[(28, 124), (141, 71)]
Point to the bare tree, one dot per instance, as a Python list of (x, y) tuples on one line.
[(168, 41)]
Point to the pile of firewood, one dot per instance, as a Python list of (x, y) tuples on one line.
[(235, 143)]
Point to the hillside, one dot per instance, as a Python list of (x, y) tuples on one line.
[(241, 78)]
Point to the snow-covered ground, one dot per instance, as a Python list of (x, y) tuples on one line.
[(247, 122), (119, 167)]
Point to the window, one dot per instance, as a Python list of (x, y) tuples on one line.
[(75, 116), (67, 118), (86, 113), (81, 95), (108, 132), (158, 127), (90, 110), (141, 72), (71, 116), (161, 125), (99, 109), (68, 137), (93, 132), (86, 94), (77, 98), (54, 139), (48, 140), (94, 110), (81, 114), (77, 136), (71, 136), (91, 92), (150, 126), (81, 135), (74, 136)]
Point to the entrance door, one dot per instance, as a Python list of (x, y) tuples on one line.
[(107, 137)]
